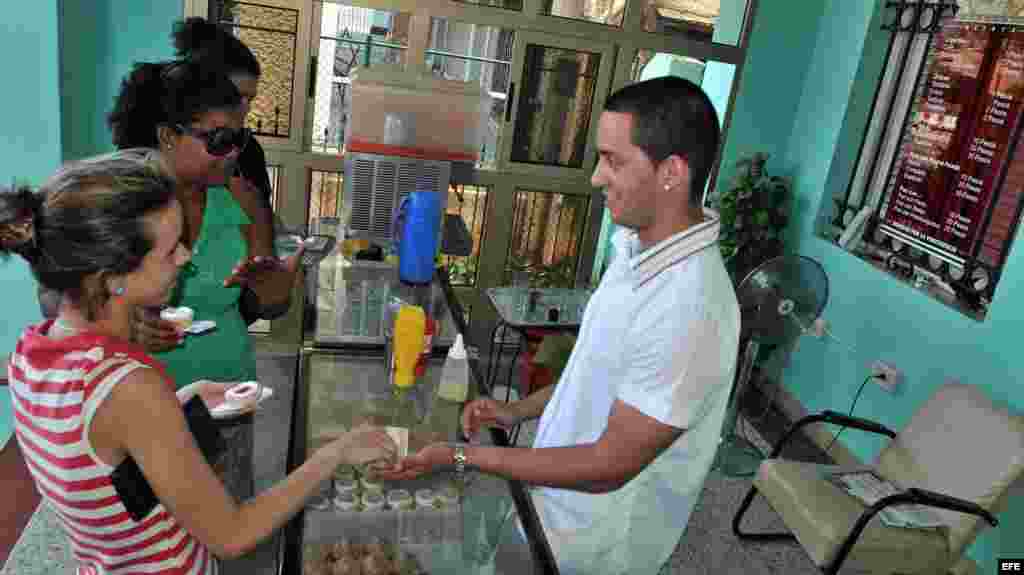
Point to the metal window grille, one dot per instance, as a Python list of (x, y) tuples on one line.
[(916, 28)]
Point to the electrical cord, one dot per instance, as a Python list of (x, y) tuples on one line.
[(852, 407), (742, 421)]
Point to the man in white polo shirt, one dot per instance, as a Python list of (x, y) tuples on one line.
[(629, 433)]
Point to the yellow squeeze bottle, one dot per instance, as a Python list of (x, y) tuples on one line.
[(410, 326)]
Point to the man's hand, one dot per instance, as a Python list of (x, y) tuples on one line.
[(487, 412), (431, 458)]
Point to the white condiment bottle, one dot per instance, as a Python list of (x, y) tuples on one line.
[(454, 384)]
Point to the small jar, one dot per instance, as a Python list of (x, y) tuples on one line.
[(345, 472), (370, 486), (373, 501), (400, 499), (343, 485), (425, 498), (448, 496), (345, 502)]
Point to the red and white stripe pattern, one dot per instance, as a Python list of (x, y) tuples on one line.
[(56, 387)]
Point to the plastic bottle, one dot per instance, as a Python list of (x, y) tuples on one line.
[(410, 324), (428, 347), (415, 227), (454, 384)]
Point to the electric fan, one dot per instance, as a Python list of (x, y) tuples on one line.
[(779, 301)]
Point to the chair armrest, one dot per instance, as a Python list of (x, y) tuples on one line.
[(942, 501), (913, 495), (829, 416)]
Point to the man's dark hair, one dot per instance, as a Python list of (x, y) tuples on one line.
[(672, 116)]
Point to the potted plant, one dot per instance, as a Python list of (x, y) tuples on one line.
[(754, 211)]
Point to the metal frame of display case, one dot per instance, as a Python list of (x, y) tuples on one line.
[(292, 557)]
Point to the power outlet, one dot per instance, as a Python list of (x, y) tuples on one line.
[(886, 375)]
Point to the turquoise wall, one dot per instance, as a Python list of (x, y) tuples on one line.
[(30, 144), (68, 63), (102, 40), (816, 142)]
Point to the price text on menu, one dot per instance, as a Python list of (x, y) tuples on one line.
[(956, 145)]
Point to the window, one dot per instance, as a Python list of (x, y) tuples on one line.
[(936, 194), (719, 21), (350, 37), (546, 237), (559, 86), (325, 195), (547, 65), (271, 34), (469, 203), (478, 54), (602, 12)]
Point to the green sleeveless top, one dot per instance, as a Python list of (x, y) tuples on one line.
[(226, 353)]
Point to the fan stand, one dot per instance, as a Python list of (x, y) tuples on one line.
[(737, 456)]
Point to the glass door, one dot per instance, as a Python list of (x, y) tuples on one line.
[(557, 93)]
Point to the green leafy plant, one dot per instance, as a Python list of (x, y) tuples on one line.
[(754, 212), (462, 271)]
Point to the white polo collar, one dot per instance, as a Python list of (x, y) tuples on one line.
[(647, 264)]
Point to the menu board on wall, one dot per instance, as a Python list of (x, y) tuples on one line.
[(955, 147)]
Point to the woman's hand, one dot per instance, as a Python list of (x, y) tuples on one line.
[(212, 392), (361, 446), (269, 277), (155, 334), (432, 457)]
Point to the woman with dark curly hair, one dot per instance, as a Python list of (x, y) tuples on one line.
[(198, 40), (190, 111)]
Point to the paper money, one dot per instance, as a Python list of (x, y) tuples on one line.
[(400, 435)]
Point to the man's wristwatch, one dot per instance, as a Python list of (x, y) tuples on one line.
[(459, 457)]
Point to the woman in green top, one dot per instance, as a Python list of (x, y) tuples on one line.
[(190, 112)]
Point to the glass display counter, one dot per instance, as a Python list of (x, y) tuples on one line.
[(437, 524)]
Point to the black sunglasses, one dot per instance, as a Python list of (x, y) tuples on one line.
[(220, 141)]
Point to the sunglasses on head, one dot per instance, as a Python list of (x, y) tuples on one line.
[(219, 141)]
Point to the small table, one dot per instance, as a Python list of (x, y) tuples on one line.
[(526, 309)]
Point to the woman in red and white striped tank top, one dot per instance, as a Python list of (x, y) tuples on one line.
[(88, 404)]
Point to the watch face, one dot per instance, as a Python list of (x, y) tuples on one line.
[(934, 263)]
